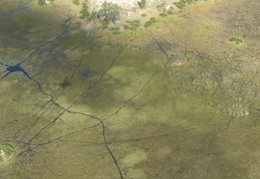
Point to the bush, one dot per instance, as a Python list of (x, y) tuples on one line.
[(238, 40), (76, 2), (148, 24), (136, 25), (113, 28), (116, 32), (133, 24), (137, 21), (84, 5), (163, 14), (78, 23), (152, 19), (104, 23), (179, 4), (126, 27), (104, 27), (160, 6), (41, 2), (170, 12), (132, 28), (143, 15), (142, 4)]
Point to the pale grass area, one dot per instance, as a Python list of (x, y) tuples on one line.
[(189, 26)]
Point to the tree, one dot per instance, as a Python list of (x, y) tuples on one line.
[(142, 4), (110, 12)]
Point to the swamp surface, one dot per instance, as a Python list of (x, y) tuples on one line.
[(86, 104)]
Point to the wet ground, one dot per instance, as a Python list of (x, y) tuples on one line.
[(74, 105)]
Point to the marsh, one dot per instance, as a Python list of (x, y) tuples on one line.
[(90, 104)]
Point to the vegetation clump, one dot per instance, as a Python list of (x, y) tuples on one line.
[(43, 2), (181, 4), (132, 24), (142, 4), (109, 12), (150, 22), (163, 14), (76, 2), (84, 12), (116, 32), (170, 12), (160, 5), (6, 152), (237, 40), (113, 28)]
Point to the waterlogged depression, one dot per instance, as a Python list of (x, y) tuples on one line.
[(74, 105)]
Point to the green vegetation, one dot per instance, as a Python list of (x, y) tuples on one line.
[(78, 23), (153, 19), (114, 28), (84, 4), (160, 6), (104, 24), (127, 27), (84, 12), (76, 2), (142, 4), (132, 24), (150, 22), (116, 32), (163, 14), (181, 4), (7, 149), (170, 12), (237, 40), (109, 12), (41, 2), (143, 15)]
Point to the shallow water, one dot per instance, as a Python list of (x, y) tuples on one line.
[(76, 106)]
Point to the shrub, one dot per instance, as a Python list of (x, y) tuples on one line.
[(84, 4), (78, 23), (116, 32), (113, 28), (41, 2), (148, 24), (133, 24), (76, 2), (132, 28), (143, 15), (163, 14), (142, 4), (137, 21), (104, 27), (160, 6), (126, 27), (238, 40), (104, 23), (152, 19), (136, 25), (180, 4), (170, 12)]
